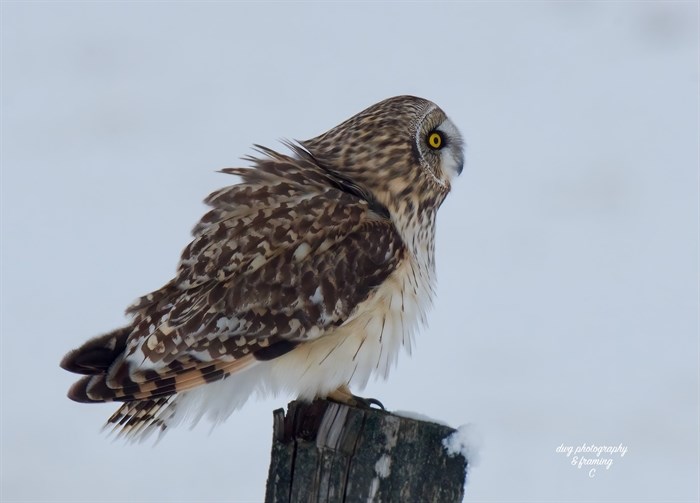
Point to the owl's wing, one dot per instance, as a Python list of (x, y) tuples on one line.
[(276, 262)]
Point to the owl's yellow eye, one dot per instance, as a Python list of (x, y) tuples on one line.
[(435, 140)]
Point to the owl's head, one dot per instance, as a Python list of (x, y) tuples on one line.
[(401, 149)]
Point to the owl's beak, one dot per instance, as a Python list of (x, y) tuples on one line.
[(453, 162)]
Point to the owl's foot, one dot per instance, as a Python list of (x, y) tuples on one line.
[(343, 395)]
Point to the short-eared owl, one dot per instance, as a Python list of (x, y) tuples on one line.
[(306, 277)]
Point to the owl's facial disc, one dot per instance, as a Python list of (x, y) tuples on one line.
[(441, 147), (452, 156)]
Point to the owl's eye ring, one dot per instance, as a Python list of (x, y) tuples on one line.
[(435, 140)]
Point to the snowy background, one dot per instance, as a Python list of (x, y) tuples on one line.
[(567, 253)]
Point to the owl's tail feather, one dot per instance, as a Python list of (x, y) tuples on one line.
[(134, 420), (110, 376), (150, 396), (178, 376), (97, 354), (137, 421), (94, 359)]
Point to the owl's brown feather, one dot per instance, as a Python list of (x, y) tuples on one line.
[(273, 262), (307, 276)]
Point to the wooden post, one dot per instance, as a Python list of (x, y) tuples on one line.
[(329, 452)]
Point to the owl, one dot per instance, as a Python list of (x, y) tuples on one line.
[(306, 277)]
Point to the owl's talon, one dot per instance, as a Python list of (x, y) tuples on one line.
[(368, 402), (343, 395)]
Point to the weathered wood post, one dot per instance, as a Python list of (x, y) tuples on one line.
[(329, 452)]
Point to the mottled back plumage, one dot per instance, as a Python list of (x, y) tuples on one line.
[(307, 276)]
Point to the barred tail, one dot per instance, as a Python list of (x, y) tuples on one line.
[(150, 395), (137, 421)]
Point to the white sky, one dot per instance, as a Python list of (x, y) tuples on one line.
[(567, 253)]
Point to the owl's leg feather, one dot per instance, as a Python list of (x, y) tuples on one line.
[(343, 395)]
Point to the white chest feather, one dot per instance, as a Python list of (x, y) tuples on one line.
[(368, 343)]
